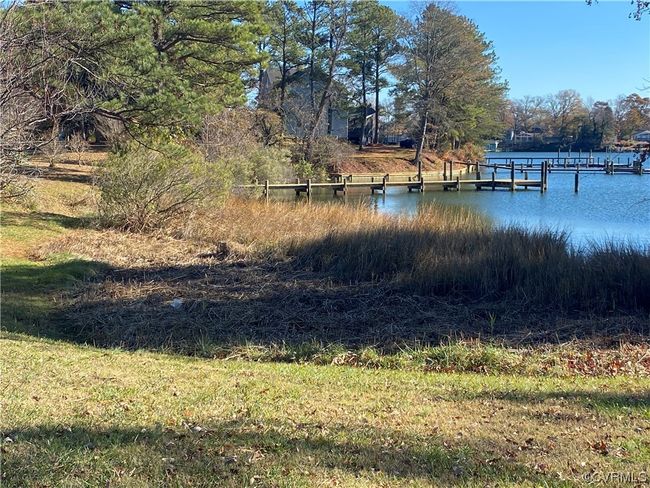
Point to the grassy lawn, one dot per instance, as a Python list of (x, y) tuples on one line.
[(78, 410), (79, 416)]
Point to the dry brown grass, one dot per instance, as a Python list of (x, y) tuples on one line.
[(282, 228), (294, 273)]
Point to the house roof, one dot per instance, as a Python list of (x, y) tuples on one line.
[(643, 132)]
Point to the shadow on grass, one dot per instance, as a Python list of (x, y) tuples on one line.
[(33, 293), (60, 173), (618, 402), (232, 453), (41, 220), (212, 308)]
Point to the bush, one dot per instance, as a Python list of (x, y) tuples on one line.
[(305, 170), (142, 188), (326, 154), (259, 164), (14, 184), (246, 143)]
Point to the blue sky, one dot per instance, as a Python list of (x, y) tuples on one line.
[(544, 47)]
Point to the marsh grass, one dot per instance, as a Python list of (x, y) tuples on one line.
[(442, 251)]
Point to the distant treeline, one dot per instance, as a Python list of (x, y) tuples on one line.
[(565, 119)]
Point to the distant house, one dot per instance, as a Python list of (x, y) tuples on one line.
[(338, 120), (492, 146), (522, 137), (643, 136), (355, 125), (297, 104)]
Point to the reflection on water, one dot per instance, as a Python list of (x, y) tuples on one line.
[(607, 208)]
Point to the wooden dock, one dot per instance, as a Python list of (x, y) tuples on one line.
[(568, 164), (343, 187), (472, 176)]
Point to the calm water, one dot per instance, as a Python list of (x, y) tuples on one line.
[(607, 208)]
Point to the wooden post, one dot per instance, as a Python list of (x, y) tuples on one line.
[(526, 175), (421, 184), (383, 184), (266, 191), (546, 177), (444, 171), (576, 183), (451, 170), (309, 189), (493, 183), (512, 176), (457, 183), (541, 177), (345, 186)]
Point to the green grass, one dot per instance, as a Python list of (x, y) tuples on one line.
[(32, 290), (78, 416)]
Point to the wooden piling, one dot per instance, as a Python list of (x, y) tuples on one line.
[(493, 183), (266, 191), (309, 189), (421, 184), (383, 184), (546, 177), (457, 183), (512, 176), (576, 182)]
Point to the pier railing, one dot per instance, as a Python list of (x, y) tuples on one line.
[(473, 175)]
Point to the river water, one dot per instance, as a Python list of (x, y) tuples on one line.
[(608, 208)]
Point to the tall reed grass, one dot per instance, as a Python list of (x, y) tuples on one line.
[(443, 251)]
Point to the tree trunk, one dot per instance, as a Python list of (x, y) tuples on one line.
[(375, 138), (420, 148), (312, 46), (364, 104)]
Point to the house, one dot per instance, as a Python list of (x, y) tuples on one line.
[(522, 137), (338, 120), (355, 125), (643, 136), (297, 107)]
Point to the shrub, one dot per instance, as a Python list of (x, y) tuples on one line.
[(78, 145), (246, 143), (142, 188), (14, 184), (325, 154), (261, 163), (304, 170)]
